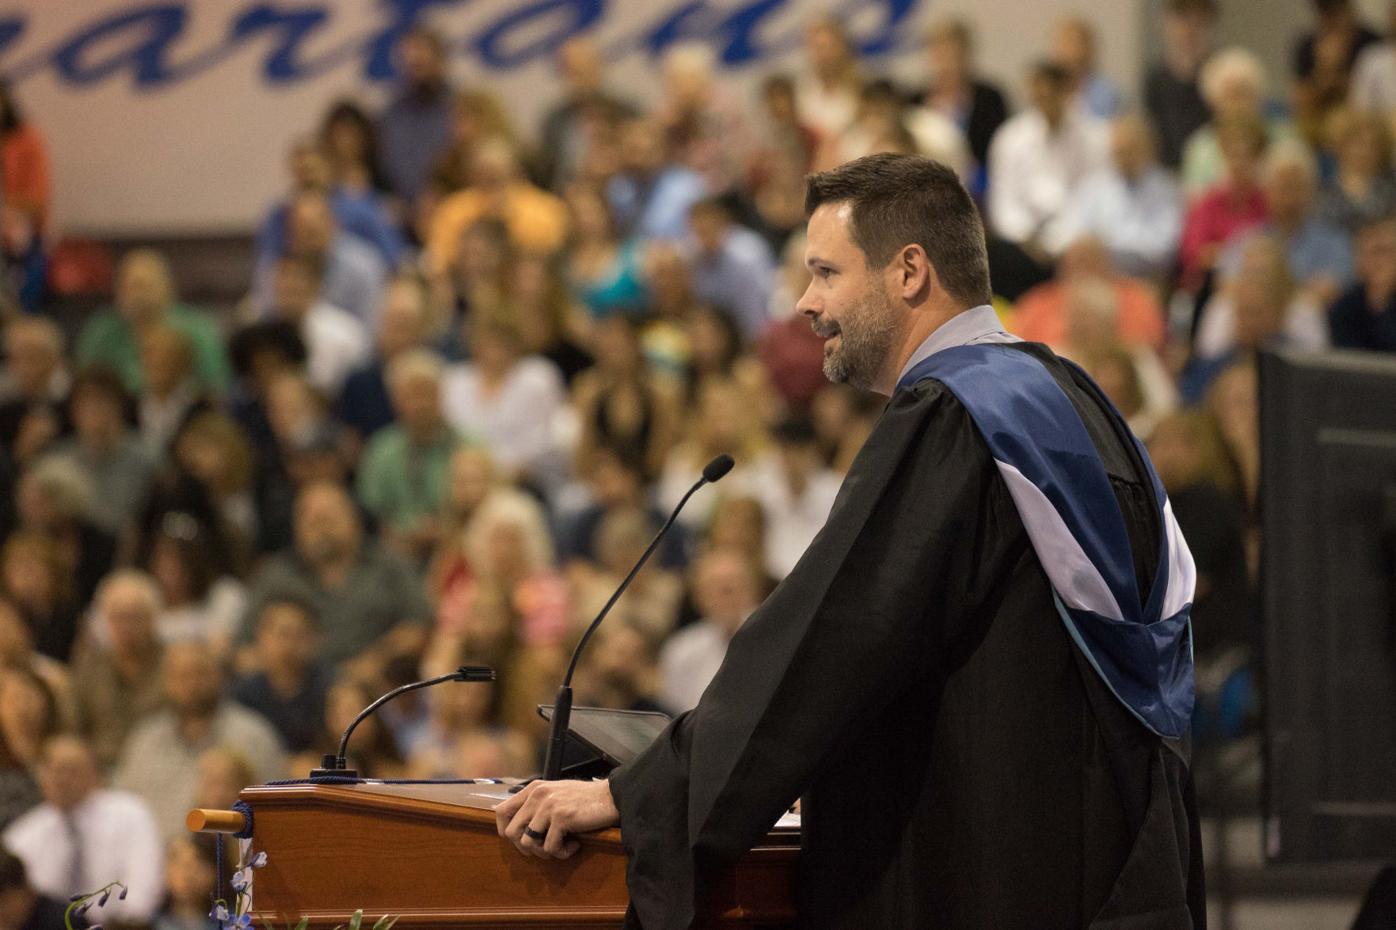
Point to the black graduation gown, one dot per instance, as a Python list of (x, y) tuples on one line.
[(960, 764)]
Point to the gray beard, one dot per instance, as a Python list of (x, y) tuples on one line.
[(865, 340)]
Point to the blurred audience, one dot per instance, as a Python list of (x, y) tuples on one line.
[(118, 662), (1364, 316), (1040, 314), (731, 266), (85, 835), (1133, 206), (1173, 86), (956, 91), (651, 193), (726, 589), (1324, 58), (1232, 206), (1373, 81), (415, 127), (568, 128), (497, 190), (1074, 51), (1361, 187), (145, 297), (191, 876), (363, 403), (23, 906), (159, 760), (1233, 84), (1319, 254), (403, 470), (1039, 159), (826, 92), (289, 685), (345, 272), (478, 364), (372, 598)]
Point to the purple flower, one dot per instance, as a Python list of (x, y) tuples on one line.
[(83, 907), (241, 878), (122, 895), (243, 922), (258, 861), (219, 913), (106, 896)]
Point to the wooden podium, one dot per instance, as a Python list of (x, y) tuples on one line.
[(429, 854)]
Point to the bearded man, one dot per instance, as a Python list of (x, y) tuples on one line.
[(979, 675)]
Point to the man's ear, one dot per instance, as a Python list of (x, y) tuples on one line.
[(915, 277)]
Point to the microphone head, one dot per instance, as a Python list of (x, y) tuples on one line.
[(718, 467), (474, 673)]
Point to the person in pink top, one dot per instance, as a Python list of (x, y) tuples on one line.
[(1233, 206), (1040, 314)]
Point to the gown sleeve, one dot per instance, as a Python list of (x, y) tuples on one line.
[(889, 580)]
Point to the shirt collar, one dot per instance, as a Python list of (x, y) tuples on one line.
[(975, 325)]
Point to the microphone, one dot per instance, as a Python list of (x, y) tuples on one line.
[(335, 764), (562, 704)]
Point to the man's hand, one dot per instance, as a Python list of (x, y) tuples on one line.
[(555, 810)]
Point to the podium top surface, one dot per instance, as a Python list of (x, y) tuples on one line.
[(466, 803)]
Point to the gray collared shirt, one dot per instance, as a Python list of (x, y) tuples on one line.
[(973, 326)]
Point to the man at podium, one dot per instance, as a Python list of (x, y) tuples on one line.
[(979, 675)]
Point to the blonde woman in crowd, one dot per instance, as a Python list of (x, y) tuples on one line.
[(1233, 85), (723, 418), (652, 601), (476, 116), (1362, 187)]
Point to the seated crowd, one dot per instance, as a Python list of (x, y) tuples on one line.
[(476, 367)]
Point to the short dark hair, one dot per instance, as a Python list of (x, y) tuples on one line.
[(713, 205), (293, 599), (1048, 70), (1206, 8), (898, 200)]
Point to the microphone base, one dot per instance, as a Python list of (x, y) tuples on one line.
[(332, 766)]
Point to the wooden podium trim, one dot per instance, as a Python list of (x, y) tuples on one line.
[(406, 807), (430, 855)]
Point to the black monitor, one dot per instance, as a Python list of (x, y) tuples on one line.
[(1328, 596)]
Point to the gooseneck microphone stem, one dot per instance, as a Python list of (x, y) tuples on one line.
[(338, 764), (562, 704)]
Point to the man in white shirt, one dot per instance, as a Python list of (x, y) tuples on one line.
[(512, 401), (353, 272), (1133, 206), (726, 589), (337, 343), (1373, 87), (1039, 159), (796, 490), (84, 836)]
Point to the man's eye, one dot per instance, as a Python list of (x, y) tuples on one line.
[(825, 273)]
